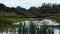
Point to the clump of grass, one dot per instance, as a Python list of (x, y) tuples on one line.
[(33, 28)]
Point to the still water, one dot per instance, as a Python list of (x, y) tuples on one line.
[(14, 29)]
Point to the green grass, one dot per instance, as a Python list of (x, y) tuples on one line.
[(14, 19), (5, 15)]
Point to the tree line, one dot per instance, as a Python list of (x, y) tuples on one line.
[(33, 11)]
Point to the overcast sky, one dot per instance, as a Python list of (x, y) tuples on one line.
[(27, 3)]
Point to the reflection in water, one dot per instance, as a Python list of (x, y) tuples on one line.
[(57, 31), (32, 27)]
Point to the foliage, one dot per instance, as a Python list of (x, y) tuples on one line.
[(33, 28)]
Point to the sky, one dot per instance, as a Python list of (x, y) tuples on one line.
[(27, 3)]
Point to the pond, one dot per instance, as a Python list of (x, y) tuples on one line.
[(46, 26)]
